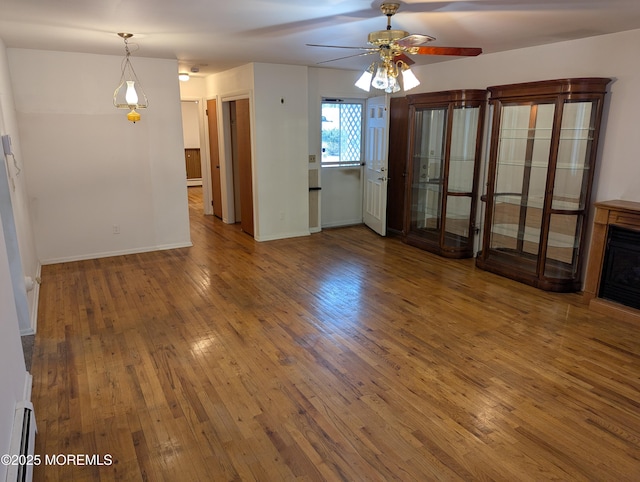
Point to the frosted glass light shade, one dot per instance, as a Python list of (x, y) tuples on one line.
[(131, 96), (364, 82), (409, 80), (394, 85), (381, 80)]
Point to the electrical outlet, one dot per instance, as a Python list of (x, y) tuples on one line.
[(312, 158), (116, 229)]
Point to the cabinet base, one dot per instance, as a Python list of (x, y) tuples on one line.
[(434, 247), (515, 271)]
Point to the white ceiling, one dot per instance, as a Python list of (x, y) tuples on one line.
[(215, 35)]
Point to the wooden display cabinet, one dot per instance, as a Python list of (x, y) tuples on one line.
[(544, 138), (443, 165)]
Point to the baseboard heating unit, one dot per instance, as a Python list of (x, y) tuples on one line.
[(23, 440)]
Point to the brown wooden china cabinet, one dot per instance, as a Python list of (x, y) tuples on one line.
[(543, 149), (443, 166)]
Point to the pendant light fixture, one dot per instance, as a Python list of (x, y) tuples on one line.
[(126, 94)]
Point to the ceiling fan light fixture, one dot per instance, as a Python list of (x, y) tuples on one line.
[(394, 85), (386, 76), (393, 45), (364, 82), (381, 79), (409, 79)]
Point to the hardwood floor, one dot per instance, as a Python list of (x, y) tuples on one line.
[(337, 356)]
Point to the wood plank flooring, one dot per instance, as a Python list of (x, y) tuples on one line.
[(338, 356)]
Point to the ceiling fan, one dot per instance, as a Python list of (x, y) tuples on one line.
[(393, 45)]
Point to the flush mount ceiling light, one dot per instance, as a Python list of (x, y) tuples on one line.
[(126, 95), (183, 76)]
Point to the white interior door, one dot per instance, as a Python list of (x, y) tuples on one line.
[(376, 163)]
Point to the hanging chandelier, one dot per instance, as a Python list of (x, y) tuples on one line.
[(126, 96)]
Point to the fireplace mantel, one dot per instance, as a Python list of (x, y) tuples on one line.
[(621, 213)]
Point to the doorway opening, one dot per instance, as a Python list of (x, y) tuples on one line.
[(192, 144), (341, 162)]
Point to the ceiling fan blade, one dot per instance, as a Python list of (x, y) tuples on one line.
[(405, 58), (342, 47), (462, 51), (349, 57), (414, 40)]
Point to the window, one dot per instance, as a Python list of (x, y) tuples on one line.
[(342, 132)]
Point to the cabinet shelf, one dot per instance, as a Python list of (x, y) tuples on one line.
[(532, 235), (559, 166)]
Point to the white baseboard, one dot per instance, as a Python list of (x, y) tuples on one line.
[(28, 386), (341, 224), (282, 236), (116, 253)]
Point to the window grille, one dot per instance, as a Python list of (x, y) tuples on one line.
[(341, 133)]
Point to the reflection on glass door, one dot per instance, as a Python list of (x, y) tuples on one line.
[(521, 178), (428, 154)]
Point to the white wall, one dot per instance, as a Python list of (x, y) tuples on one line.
[(194, 88), (190, 124), (230, 82), (13, 374), (24, 261), (341, 196), (281, 151), (14, 379), (610, 56), (88, 169)]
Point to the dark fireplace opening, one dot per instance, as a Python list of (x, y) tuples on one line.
[(620, 280)]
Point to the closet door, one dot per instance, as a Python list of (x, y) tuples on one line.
[(214, 157), (243, 131)]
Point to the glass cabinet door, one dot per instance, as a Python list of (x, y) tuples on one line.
[(442, 170), (428, 170), (460, 177), (570, 186), (521, 178)]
